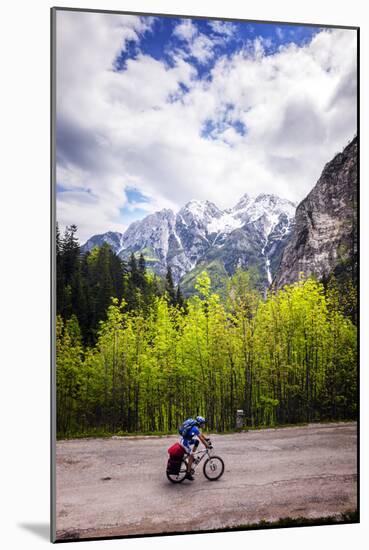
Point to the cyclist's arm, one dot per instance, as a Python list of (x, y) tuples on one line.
[(203, 440)]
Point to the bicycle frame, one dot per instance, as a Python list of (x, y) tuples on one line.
[(198, 456)]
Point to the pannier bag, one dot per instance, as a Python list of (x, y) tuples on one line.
[(176, 451), (174, 465)]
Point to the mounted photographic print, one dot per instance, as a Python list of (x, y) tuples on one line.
[(205, 274)]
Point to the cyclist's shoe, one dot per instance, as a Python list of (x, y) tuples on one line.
[(189, 476)]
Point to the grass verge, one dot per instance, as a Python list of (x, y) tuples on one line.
[(350, 516)]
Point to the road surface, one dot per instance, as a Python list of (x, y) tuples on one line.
[(117, 486)]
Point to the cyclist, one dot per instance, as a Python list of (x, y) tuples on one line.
[(192, 437)]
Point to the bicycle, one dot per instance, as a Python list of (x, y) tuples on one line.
[(213, 467)]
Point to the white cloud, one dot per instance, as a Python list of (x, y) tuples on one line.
[(225, 28), (202, 48), (196, 44), (137, 128), (185, 30)]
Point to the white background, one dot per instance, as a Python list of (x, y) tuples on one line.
[(24, 272)]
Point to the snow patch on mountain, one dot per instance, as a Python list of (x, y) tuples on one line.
[(200, 230), (225, 224)]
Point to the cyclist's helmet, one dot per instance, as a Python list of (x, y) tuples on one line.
[(200, 420)]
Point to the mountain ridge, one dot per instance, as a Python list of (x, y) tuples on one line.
[(251, 233), (265, 232)]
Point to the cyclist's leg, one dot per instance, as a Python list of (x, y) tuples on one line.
[(195, 444), (186, 445)]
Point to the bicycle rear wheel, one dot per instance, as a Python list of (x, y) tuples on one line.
[(213, 468), (178, 478)]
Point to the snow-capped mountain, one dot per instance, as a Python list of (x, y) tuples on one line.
[(252, 233)]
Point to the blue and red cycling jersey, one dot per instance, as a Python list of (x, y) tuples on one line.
[(189, 439)]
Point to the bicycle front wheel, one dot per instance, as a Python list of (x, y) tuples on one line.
[(213, 468), (178, 478)]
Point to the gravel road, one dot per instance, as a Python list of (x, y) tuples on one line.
[(117, 486)]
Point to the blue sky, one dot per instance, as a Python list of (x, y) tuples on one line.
[(162, 39), (132, 210), (154, 112)]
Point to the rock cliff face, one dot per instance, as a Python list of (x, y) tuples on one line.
[(324, 237)]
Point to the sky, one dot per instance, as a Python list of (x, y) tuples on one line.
[(152, 112)]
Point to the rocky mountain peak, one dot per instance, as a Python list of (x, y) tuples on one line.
[(319, 239), (242, 203), (201, 210), (244, 235), (266, 197), (324, 237)]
